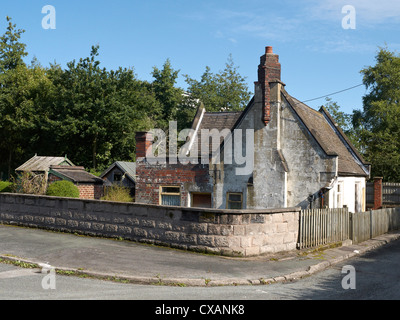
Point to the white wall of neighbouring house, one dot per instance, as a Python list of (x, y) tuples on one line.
[(349, 192)]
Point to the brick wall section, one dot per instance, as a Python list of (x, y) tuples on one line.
[(378, 201), (233, 233), (151, 177), (90, 191)]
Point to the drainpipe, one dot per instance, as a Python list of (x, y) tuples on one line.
[(311, 199), (321, 195)]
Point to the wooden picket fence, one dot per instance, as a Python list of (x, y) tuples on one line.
[(318, 227)]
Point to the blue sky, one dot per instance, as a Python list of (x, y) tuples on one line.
[(317, 54)]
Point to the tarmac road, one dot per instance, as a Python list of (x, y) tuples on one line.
[(144, 264), (106, 256), (377, 278)]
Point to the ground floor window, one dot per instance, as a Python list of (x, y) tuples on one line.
[(234, 200), (170, 196)]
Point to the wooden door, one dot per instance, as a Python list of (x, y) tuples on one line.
[(201, 200)]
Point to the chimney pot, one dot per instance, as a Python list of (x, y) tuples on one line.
[(268, 50)]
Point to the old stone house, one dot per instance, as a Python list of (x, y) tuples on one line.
[(276, 153)]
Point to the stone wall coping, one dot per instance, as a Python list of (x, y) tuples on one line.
[(200, 210)]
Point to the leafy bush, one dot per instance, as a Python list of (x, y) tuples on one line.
[(63, 189), (6, 186), (117, 193)]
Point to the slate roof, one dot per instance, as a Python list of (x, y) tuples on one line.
[(42, 164), (320, 124), (330, 137), (219, 121), (129, 168), (75, 174)]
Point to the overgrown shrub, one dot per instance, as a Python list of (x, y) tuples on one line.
[(30, 183), (63, 189), (6, 186), (117, 193)]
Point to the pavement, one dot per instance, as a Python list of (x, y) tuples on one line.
[(137, 263)]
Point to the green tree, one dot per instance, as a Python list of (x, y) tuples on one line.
[(12, 51), (345, 122), (22, 90), (378, 123), (341, 118), (79, 108), (169, 96), (96, 112), (224, 91)]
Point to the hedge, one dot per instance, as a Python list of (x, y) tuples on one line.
[(63, 189)]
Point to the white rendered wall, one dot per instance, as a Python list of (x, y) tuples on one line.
[(344, 193)]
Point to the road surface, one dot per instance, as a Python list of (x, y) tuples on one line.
[(376, 277)]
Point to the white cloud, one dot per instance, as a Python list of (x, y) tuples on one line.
[(315, 23), (233, 40), (341, 45), (267, 25), (221, 35)]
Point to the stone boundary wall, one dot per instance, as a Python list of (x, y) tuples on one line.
[(225, 232)]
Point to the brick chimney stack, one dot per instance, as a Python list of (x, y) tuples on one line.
[(144, 142), (378, 200), (269, 71)]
